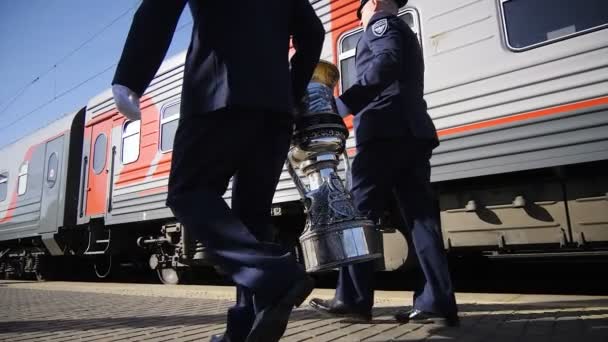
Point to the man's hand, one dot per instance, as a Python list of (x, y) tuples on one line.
[(127, 102), (341, 107)]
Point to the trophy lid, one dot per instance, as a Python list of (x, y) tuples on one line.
[(326, 73)]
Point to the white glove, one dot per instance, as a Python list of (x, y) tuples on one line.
[(127, 102)]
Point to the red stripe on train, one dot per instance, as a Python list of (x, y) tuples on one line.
[(525, 116)]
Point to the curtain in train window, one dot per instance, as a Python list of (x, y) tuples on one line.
[(130, 142), (3, 185), (22, 180), (529, 24), (348, 44), (168, 127)]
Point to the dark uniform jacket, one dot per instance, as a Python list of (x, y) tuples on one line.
[(238, 54), (387, 99)]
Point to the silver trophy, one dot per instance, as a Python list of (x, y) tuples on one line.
[(335, 234)]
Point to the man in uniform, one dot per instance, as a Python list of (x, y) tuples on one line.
[(395, 138), (238, 99)]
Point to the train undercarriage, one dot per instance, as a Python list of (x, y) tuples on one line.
[(547, 213)]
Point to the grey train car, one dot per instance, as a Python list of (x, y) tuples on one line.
[(38, 195), (520, 105)]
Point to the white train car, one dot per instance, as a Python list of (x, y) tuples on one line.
[(520, 107), (518, 91)]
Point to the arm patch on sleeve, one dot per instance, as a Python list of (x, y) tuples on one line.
[(379, 27)]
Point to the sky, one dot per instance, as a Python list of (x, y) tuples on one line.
[(55, 55)]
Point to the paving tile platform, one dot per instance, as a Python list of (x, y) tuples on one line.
[(65, 311)]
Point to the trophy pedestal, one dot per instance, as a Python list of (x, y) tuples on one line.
[(336, 234)]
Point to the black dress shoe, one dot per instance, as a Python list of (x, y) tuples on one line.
[(336, 308), (219, 338), (422, 317), (270, 323)]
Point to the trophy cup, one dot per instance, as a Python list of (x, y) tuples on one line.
[(335, 234)]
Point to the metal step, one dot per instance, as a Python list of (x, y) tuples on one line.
[(95, 253), (98, 246)]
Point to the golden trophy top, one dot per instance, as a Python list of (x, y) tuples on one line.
[(326, 73)]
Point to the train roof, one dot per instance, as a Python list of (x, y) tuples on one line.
[(54, 128), (103, 102)]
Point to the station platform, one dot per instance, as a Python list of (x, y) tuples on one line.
[(69, 311)]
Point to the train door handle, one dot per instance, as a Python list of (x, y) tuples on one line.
[(518, 202), (470, 207), (593, 199)]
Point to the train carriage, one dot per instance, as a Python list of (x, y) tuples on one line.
[(38, 182), (520, 104)]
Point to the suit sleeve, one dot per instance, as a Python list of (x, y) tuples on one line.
[(147, 43), (308, 36), (382, 72)]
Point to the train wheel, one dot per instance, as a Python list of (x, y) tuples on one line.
[(169, 275), (40, 276), (103, 266), (18, 269)]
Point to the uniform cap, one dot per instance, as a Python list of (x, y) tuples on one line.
[(400, 3)]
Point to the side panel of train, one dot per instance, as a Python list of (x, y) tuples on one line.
[(34, 183), (504, 100), (520, 106), (37, 194), (510, 94)]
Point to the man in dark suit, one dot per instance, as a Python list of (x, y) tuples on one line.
[(395, 137), (237, 107)]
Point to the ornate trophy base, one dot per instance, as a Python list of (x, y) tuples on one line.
[(341, 245)]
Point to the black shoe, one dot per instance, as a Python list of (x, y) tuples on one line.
[(270, 323), (421, 317), (336, 308), (219, 338)]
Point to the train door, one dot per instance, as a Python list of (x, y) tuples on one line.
[(51, 186), (97, 186)]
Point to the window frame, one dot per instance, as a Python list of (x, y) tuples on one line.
[(20, 175), (51, 182), (4, 181), (105, 154), (342, 55), (122, 142), (164, 121), (505, 32)]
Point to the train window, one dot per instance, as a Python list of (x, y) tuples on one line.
[(100, 151), (3, 185), (130, 141), (22, 180), (348, 44), (168, 126), (561, 19), (51, 174)]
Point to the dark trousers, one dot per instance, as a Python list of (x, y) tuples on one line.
[(250, 147), (399, 168)]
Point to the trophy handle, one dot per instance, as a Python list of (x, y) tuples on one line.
[(347, 171), (296, 179)]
